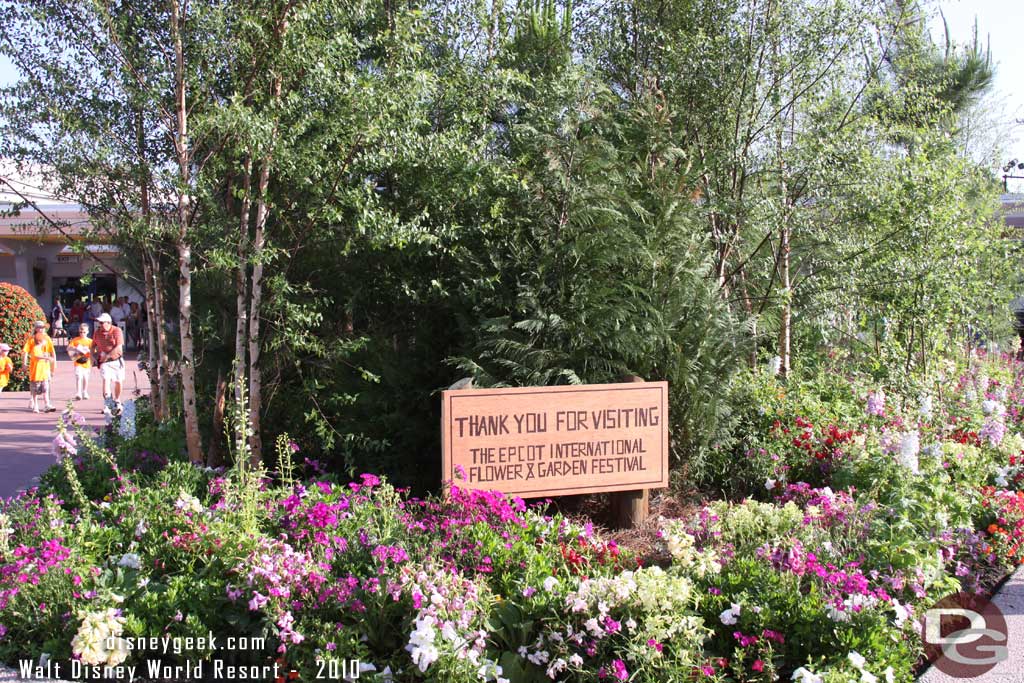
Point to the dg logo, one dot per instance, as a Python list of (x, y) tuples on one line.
[(964, 635)]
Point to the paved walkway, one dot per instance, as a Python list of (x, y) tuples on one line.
[(25, 437), (1010, 601)]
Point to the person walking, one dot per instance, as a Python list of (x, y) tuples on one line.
[(135, 325), (80, 352), (108, 346), (6, 366), (41, 359), (57, 319)]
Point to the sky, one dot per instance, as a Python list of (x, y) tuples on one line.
[(999, 26), (996, 135)]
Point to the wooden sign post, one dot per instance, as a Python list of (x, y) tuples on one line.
[(550, 441)]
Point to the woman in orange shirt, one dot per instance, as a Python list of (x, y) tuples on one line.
[(41, 360)]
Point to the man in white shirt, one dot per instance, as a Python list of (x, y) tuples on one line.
[(117, 314)]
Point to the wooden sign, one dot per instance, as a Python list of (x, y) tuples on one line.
[(551, 441)]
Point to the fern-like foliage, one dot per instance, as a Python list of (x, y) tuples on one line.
[(609, 270)]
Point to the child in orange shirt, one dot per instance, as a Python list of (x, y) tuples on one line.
[(6, 366), (41, 360), (80, 351)]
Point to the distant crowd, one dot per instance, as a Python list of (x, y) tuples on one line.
[(127, 315)]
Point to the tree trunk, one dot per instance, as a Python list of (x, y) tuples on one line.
[(155, 399), (785, 325), (255, 376), (241, 281), (160, 329), (215, 456), (193, 438)]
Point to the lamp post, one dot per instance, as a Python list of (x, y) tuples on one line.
[(1012, 165)]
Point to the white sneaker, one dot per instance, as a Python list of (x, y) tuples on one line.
[(86, 396)]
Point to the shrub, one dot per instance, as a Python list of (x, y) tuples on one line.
[(18, 310)]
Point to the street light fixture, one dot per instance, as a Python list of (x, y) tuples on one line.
[(1012, 165)]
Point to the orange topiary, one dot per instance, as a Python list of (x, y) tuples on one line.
[(18, 310)]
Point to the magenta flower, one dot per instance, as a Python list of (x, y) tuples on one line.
[(619, 670)]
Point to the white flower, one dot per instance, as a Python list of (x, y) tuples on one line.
[(910, 447), (550, 584), (98, 631), (728, 617), (187, 503), (770, 484), (130, 560), (925, 407), (868, 677), (902, 613), (576, 661), (1001, 480), (889, 675), (421, 643), (990, 407), (775, 365), (556, 667), (857, 659), (802, 675)]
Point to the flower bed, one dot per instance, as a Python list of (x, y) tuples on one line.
[(862, 511)]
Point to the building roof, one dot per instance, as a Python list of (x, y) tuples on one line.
[(1013, 209), (29, 224)]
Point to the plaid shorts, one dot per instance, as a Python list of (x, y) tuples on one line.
[(39, 388)]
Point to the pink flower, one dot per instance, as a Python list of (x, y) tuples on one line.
[(758, 665), (619, 670), (655, 644)]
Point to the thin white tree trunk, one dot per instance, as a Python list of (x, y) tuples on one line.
[(154, 368), (156, 399), (158, 318), (255, 376), (241, 281), (256, 296), (193, 438)]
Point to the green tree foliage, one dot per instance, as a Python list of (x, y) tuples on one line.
[(386, 197)]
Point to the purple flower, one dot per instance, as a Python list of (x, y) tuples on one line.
[(876, 403), (993, 431)]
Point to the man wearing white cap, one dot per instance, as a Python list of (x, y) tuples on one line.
[(108, 342)]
